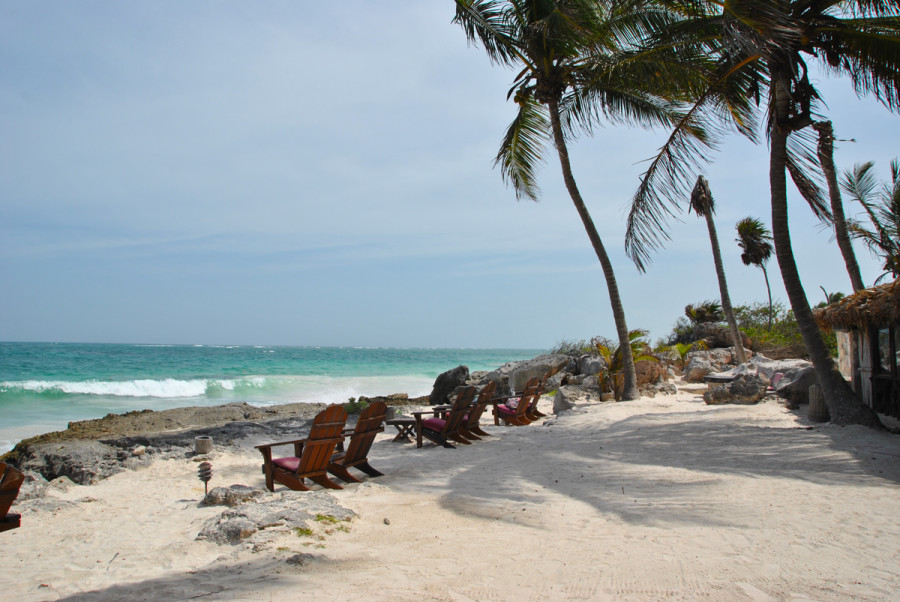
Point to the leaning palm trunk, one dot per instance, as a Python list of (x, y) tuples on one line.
[(630, 390), (826, 159), (843, 405), (723, 291)]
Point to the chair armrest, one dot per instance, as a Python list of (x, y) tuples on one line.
[(293, 441)]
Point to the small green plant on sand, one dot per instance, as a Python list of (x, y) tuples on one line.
[(327, 518), (303, 531)]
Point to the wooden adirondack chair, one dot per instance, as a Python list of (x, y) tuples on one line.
[(369, 424), (471, 428), (311, 455), (444, 424), (10, 482), (517, 416), (532, 412)]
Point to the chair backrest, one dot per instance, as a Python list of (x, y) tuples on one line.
[(326, 432), (369, 424), (484, 398), (10, 482), (528, 395), (458, 410), (538, 391)]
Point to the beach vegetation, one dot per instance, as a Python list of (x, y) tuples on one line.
[(882, 208), (328, 518), (703, 204), (572, 348), (763, 50), (575, 67), (303, 532), (611, 377), (755, 241), (704, 311), (354, 406)]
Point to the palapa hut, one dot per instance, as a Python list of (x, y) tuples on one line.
[(867, 324)]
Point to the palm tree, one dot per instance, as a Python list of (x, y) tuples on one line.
[(763, 47), (883, 238), (565, 50), (841, 233), (756, 242), (703, 204)]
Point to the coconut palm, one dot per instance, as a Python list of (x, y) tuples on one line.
[(703, 204), (841, 233), (569, 78), (756, 242), (764, 47), (883, 237)]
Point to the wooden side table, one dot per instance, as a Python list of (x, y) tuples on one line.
[(405, 426)]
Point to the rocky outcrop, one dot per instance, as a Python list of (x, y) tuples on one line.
[(264, 511), (568, 396), (512, 376), (744, 389), (717, 335), (447, 383)]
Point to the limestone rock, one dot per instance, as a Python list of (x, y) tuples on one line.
[(717, 335), (697, 366), (649, 372), (512, 376), (591, 364), (446, 383), (794, 385), (567, 396), (231, 496), (85, 462), (286, 509), (744, 389)]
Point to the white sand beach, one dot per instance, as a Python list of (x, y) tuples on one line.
[(658, 499)]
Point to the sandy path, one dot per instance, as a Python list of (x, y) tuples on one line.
[(662, 498)]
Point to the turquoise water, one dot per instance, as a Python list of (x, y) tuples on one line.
[(44, 386)]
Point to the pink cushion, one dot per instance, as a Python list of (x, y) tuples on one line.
[(434, 424), (505, 410), (290, 464)]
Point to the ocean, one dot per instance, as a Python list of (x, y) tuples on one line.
[(44, 386)]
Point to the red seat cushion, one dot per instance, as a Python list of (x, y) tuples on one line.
[(434, 424), (505, 410), (290, 464)]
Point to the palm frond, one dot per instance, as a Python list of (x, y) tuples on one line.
[(672, 170), (867, 51), (489, 22), (522, 147)]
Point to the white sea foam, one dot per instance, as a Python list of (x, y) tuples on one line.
[(168, 387)]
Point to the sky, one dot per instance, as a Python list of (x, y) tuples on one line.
[(292, 173)]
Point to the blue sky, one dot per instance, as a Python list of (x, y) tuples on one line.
[(321, 174)]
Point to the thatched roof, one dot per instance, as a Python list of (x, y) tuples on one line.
[(877, 306)]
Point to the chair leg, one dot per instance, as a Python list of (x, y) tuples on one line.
[(270, 482), (324, 481), (342, 473), (479, 431), (367, 468), (469, 433)]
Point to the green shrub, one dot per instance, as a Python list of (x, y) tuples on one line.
[(355, 407)]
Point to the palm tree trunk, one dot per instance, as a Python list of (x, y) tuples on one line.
[(826, 159), (723, 290), (768, 290), (843, 405), (630, 375)]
